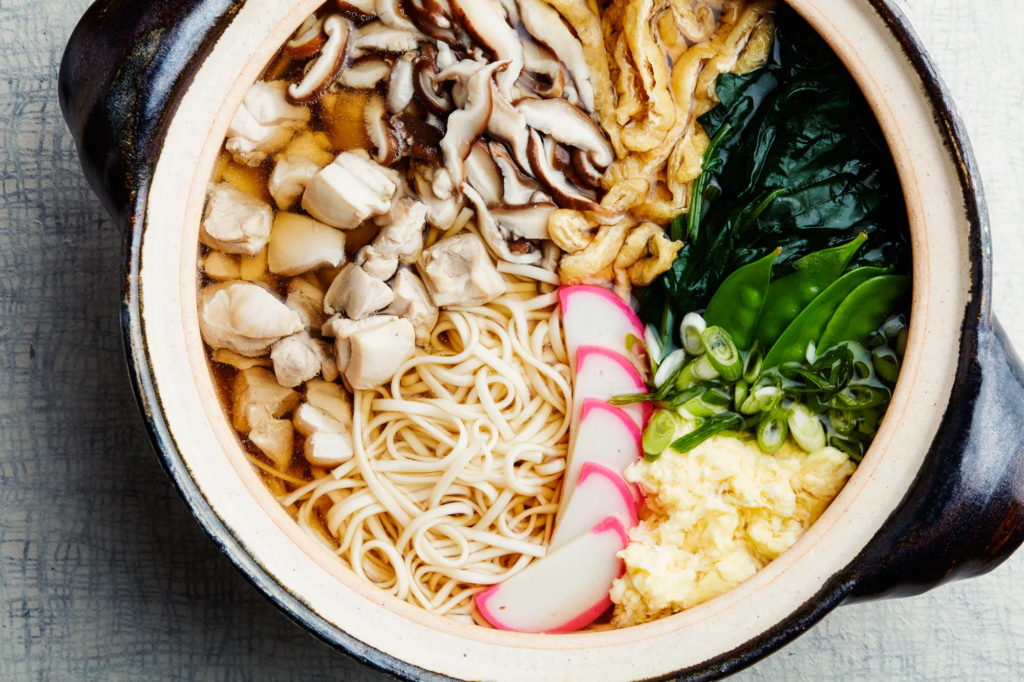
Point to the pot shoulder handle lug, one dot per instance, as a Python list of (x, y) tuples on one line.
[(123, 72), (964, 515)]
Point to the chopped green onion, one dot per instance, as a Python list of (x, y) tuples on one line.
[(631, 398), (700, 408), (869, 424), (653, 342), (632, 341), (859, 397), (722, 353), (893, 326), (901, 342), (670, 366), (853, 449), (740, 391), (690, 331), (811, 353), (862, 370), (771, 433), (718, 397), (806, 429), (844, 421), (658, 434), (752, 365), (712, 426), (679, 399), (887, 365), (697, 372)]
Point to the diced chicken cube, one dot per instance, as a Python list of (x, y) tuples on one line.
[(331, 398), (460, 273), (378, 353), (221, 267), (257, 396), (350, 190), (412, 301), (357, 293), (328, 367), (276, 438), (296, 359), (307, 300), (299, 244), (402, 235), (328, 449), (235, 222), (244, 318), (264, 123), (376, 264), (309, 420), (370, 351), (289, 180)]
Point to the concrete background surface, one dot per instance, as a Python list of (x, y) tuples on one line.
[(105, 576)]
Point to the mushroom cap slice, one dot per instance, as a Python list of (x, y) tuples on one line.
[(299, 244), (391, 13), (489, 28), (365, 73), (244, 318), (400, 84), (377, 36), (466, 125), (541, 62), (559, 187), (327, 66), (483, 175), (522, 252), (428, 94), (384, 139), (525, 221), (517, 187), (569, 125), (308, 39), (546, 25), (361, 8)]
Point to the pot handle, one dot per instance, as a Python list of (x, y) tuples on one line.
[(964, 515), (123, 72)]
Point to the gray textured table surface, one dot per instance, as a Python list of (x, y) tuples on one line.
[(103, 573)]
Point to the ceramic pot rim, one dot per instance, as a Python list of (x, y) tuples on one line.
[(233, 544)]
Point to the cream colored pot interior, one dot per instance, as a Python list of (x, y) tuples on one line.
[(211, 452)]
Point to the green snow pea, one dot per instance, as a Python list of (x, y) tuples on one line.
[(811, 323), (788, 296), (737, 304), (864, 310)]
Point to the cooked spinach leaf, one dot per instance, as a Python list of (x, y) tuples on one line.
[(800, 162)]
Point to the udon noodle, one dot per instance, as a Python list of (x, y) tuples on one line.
[(458, 461)]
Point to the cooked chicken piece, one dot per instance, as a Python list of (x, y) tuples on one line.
[(441, 212), (276, 438), (331, 398), (412, 301), (460, 273), (230, 357), (376, 264), (296, 359), (235, 222), (307, 300), (370, 351), (290, 179), (244, 318), (220, 267), (257, 396), (377, 353), (299, 244), (328, 367), (264, 123), (328, 450), (349, 191), (402, 234), (309, 420), (356, 293)]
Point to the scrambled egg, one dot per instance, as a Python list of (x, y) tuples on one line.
[(714, 517)]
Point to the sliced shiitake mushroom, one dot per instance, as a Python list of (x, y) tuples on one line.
[(308, 40), (483, 175), (393, 14), (490, 30), (546, 25), (432, 18), (518, 188), (363, 9), (384, 140), (568, 124), (325, 69), (526, 221), (400, 84), (365, 73), (542, 73), (563, 192), (432, 98), (466, 125), (422, 140), (584, 170)]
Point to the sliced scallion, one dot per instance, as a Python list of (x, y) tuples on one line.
[(722, 353), (696, 372), (669, 367), (690, 331), (658, 434), (806, 429), (771, 433), (887, 365), (860, 397), (712, 426)]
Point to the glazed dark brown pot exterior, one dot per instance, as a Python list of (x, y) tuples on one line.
[(123, 75)]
